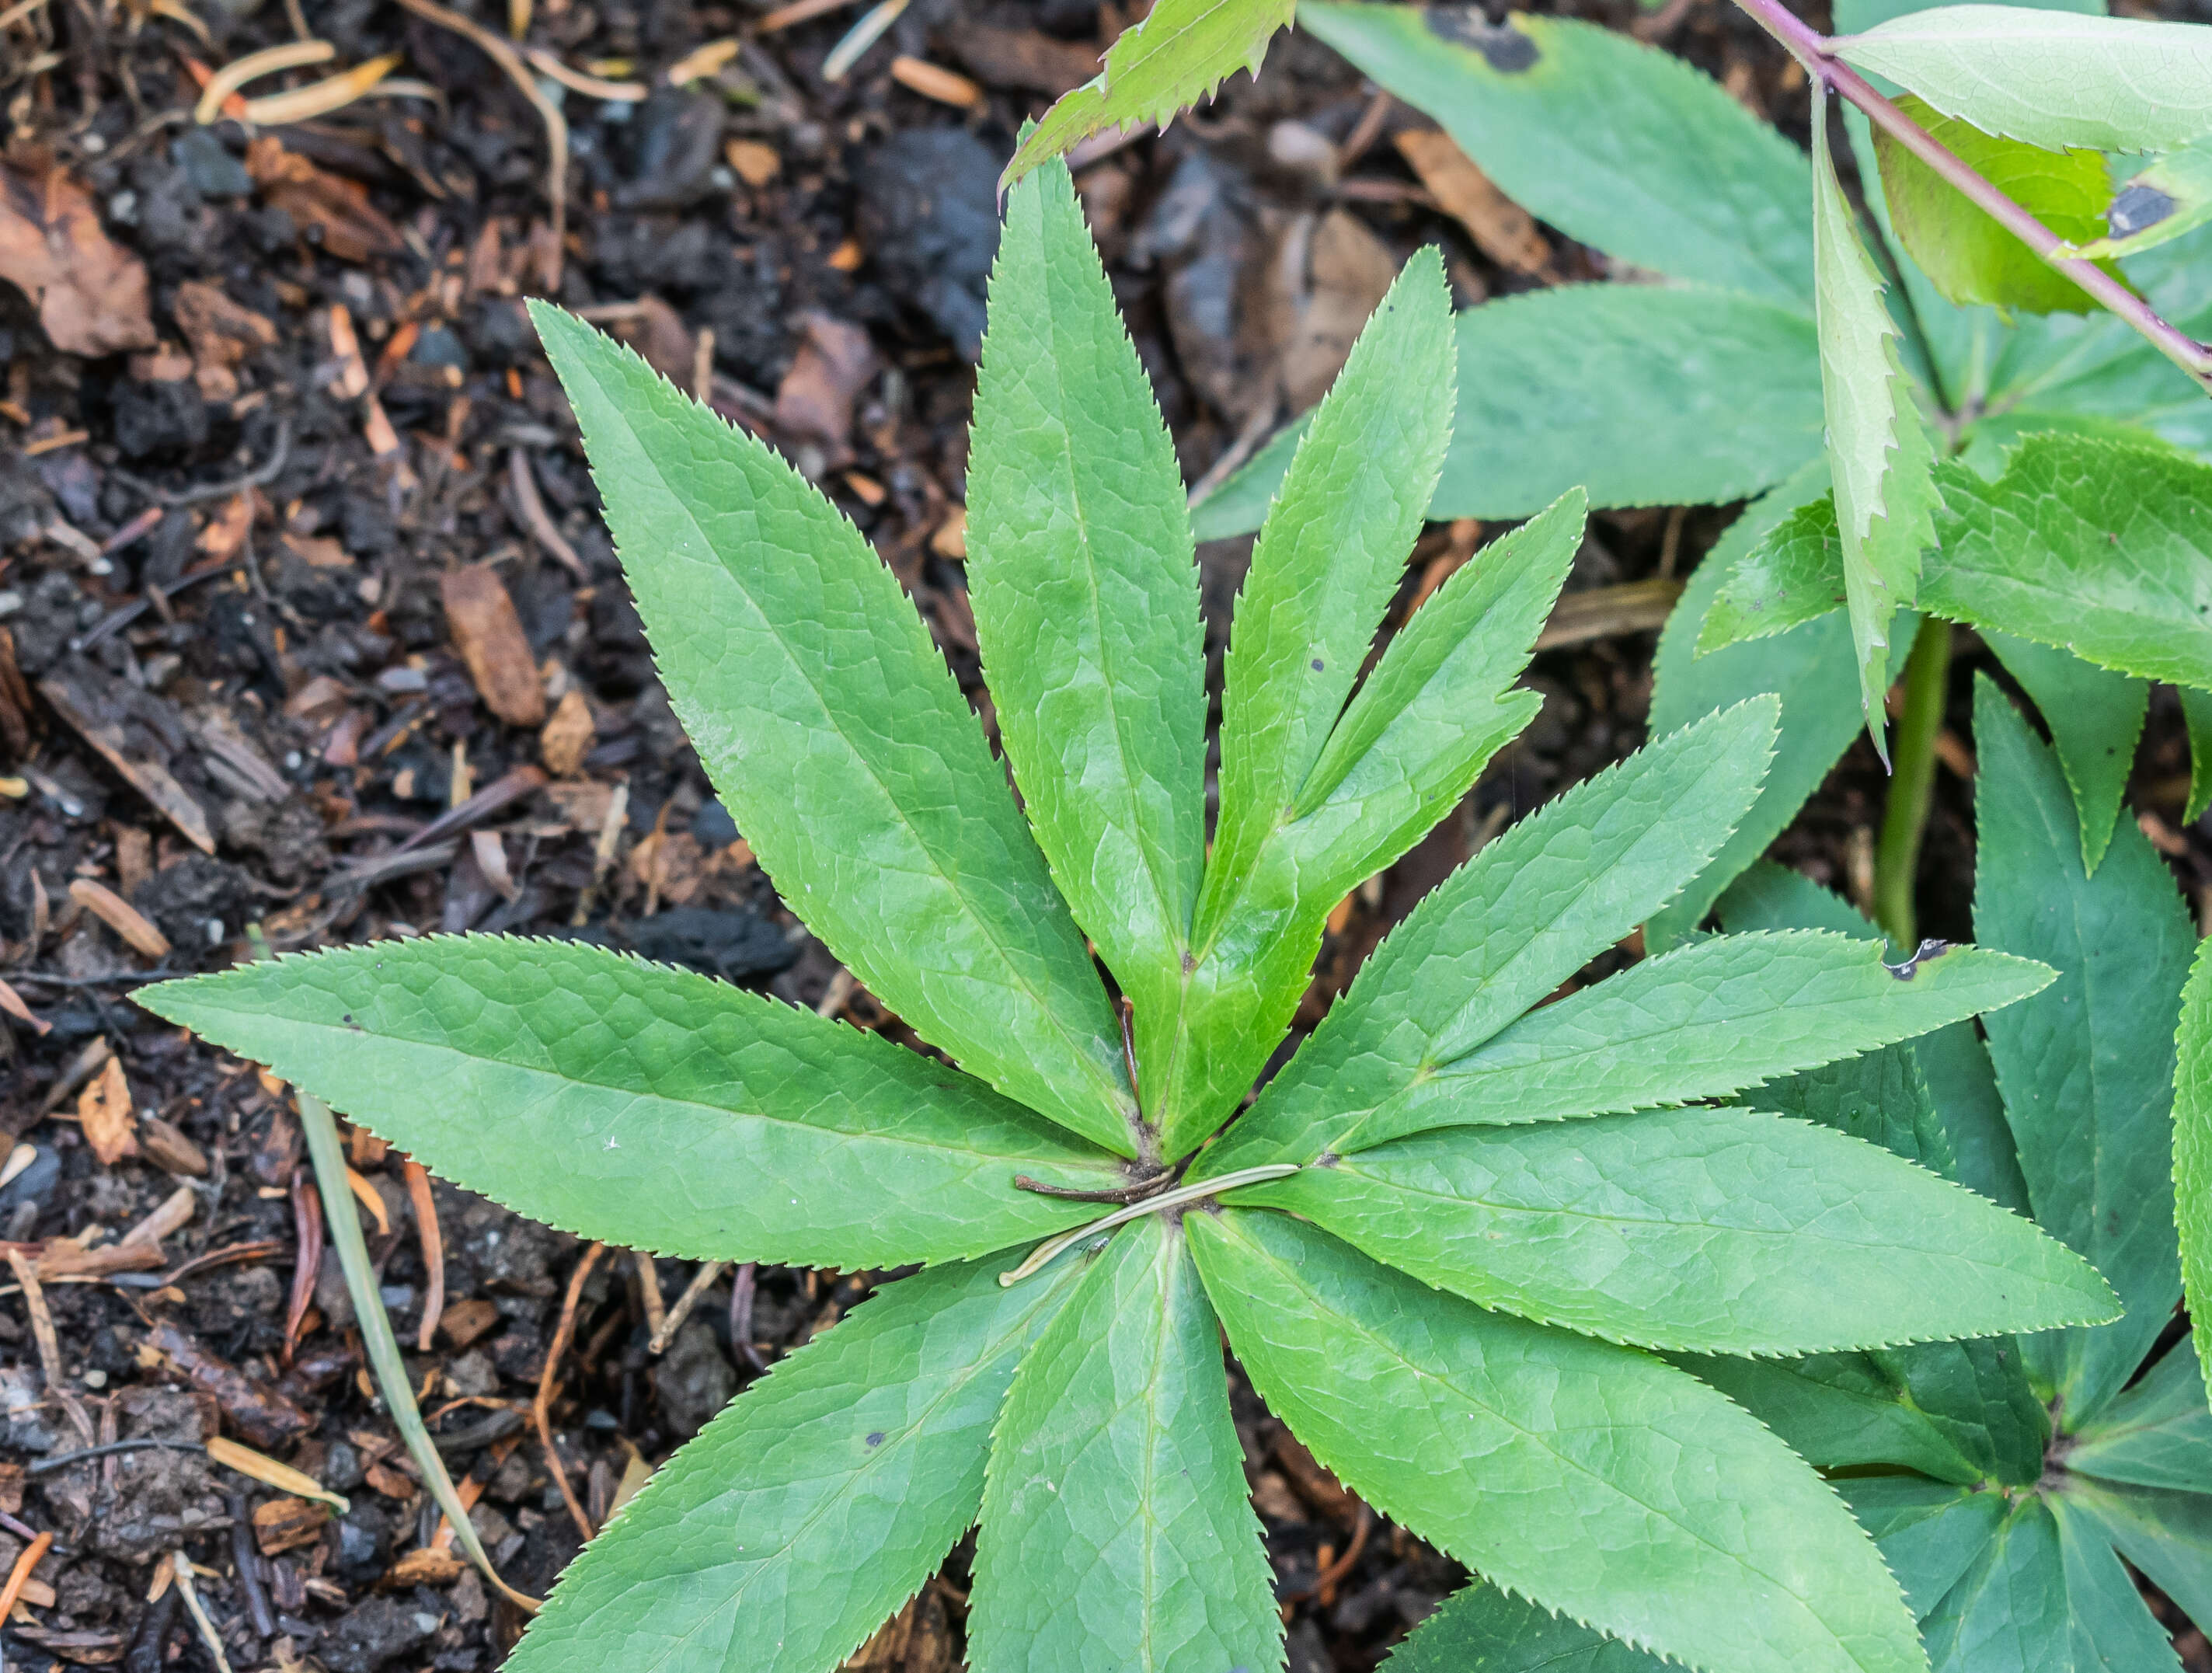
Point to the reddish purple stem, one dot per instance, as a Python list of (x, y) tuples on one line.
[(1817, 53)]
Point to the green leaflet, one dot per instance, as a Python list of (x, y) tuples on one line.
[(2156, 1433), (2192, 1150), (1704, 1021), (1812, 670), (1956, 1412), (2095, 718), (2196, 711), (1507, 928), (1967, 256), (1163, 63), (1590, 1478), (2158, 204), (1706, 1231), (1481, 1630), (1794, 574), (1948, 1069), (837, 740), (1325, 564), (1930, 1535), (2112, 1626), (817, 1504), (2085, 1067), (1433, 711), (646, 1106), (1085, 595), (1322, 573), (2168, 1535), (1617, 145), (1640, 394), (2050, 78), (1878, 452), (2094, 546), (1116, 1533)]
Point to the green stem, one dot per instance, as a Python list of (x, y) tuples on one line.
[(326, 1152), (1912, 783)]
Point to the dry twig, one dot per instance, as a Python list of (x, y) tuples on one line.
[(549, 1385)]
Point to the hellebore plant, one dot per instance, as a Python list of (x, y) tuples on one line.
[(1449, 1241)]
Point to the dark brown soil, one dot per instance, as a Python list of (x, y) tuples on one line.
[(307, 621)]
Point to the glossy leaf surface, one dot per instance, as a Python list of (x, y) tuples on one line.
[(2095, 718), (1931, 1534), (1116, 1534), (2192, 1150), (1590, 1478), (2157, 1432), (817, 1504), (1710, 1231), (646, 1106), (836, 738)]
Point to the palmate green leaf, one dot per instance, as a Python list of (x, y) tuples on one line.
[(2096, 719), (1639, 394), (1618, 145), (1164, 62), (1085, 593), (1706, 1021), (1116, 1533), (2112, 1626), (1507, 928), (836, 736), (2192, 1151), (1813, 671), (1931, 1534), (1958, 1412), (1480, 1629), (2051, 78), (1879, 455), (2087, 1065), (646, 1106), (1963, 251), (1591, 1478), (2158, 204), (1704, 1231), (818, 1503), (2168, 1535), (2157, 1432)]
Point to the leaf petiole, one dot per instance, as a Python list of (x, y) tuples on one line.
[(1181, 1198), (1817, 53)]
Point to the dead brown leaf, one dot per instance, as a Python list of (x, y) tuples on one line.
[(567, 738), (814, 403), (1501, 228), (1348, 270), (103, 1108), (488, 635), (91, 293), (222, 333), (350, 227), (1026, 58)]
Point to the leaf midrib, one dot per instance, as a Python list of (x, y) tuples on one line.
[(1362, 1328), (679, 1104)]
